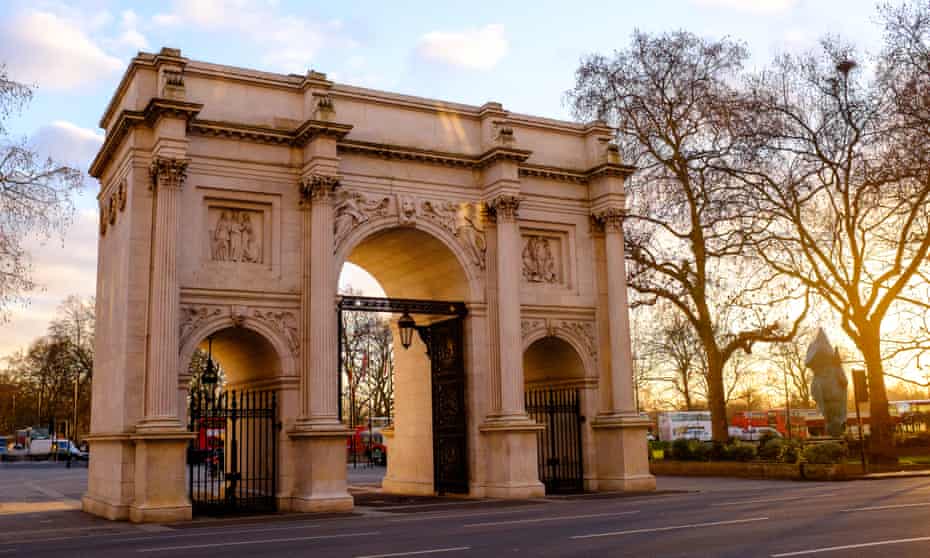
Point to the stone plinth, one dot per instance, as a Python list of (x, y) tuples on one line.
[(513, 471), (160, 494), (622, 458), (319, 471)]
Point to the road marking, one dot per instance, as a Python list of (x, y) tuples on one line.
[(888, 507), (417, 552), (290, 527), (263, 541), (556, 518), (849, 547), (759, 501), (671, 528), (461, 515)]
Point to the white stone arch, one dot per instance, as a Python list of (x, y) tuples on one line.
[(588, 360), (474, 275), (211, 325)]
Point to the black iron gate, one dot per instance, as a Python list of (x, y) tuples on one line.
[(450, 429), (232, 461), (559, 450)]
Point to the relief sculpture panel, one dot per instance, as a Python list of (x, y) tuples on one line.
[(236, 235), (541, 260)]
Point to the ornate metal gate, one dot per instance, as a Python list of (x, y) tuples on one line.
[(450, 428), (559, 451), (232, 461)]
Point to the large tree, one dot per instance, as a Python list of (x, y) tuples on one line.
[(673, 100), (36, 197), (839, 174)]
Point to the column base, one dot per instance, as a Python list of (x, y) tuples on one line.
[(320, 469), (160, 493), (409, 488), (110, 484), (622, 454), (513, 472)]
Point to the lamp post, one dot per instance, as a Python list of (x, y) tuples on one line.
[(209, 376)]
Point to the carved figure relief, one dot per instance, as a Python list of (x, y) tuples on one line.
[(539, 261), (443, 213), (406, 210), (469, 231), (236, 235), (582, 331), (286, 324), (193, 316), (355, 208)]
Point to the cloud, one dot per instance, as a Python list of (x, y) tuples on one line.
[(289, 42), (131, 36), (476, 48), (61, 267), (67, 143), (51, 51), (753, 6)]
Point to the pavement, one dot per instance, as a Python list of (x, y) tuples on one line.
[(688, 517)]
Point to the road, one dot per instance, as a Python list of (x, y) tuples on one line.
[(692, 517)]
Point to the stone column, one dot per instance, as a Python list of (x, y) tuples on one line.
[(504, 209), (318, 434), (622, 394), (510, 434), (619, 431), (161, 378), (161, 439), (319, 381)]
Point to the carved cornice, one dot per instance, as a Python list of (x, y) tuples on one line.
[(503, 154), (168, 173), (610, 169), (242, 132), (318, 188), (312, 128), (554, 173), (128, 119), (386, 151), (608, 220), (503, 208)]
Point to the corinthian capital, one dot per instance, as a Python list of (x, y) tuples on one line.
[(503, 208), (318, 188), (168, 173), (610, 219)]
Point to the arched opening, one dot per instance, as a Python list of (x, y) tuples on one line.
[(235, 382), (554, 374), (405, 263)]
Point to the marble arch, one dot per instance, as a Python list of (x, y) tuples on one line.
[(232, 197)]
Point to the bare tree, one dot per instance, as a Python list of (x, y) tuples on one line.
[(36, 197), (673, 101), (788, 362), (841, 178), (679, 358)]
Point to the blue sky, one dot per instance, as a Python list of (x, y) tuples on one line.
[(522, 54)]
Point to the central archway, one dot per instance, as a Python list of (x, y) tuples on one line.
[(411, 263)]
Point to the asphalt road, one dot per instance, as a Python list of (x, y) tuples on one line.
[(716, 517)]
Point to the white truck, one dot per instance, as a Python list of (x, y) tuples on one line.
[(49, 449)]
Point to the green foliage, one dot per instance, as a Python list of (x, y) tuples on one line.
[(791, 451), (825, 454), (771, 449), (690, 450), (739, 452)]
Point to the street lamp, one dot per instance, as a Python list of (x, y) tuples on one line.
[(406, 325), (209, 377)]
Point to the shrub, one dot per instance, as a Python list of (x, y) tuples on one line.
[(771, 449), (767, 437), (825, 454), (681, 450), (700, 451), (790, 452), (740, 452)]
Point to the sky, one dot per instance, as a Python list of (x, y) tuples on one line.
[(522, 54)]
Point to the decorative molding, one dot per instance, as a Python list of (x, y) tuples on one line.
[(168, 173), (406, 209), (582, 331), (440, 212), (354, 208), (285, 323), (503, 208), (470, 232), (318, 188), (608, 220), (553, 173), (122, 194), (397, 152), (193, 316), (102, 210)]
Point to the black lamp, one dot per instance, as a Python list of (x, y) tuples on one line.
[(406, 325), (209, 376)]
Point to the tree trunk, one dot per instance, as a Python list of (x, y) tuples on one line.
[(716, 400), (881, 431)]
